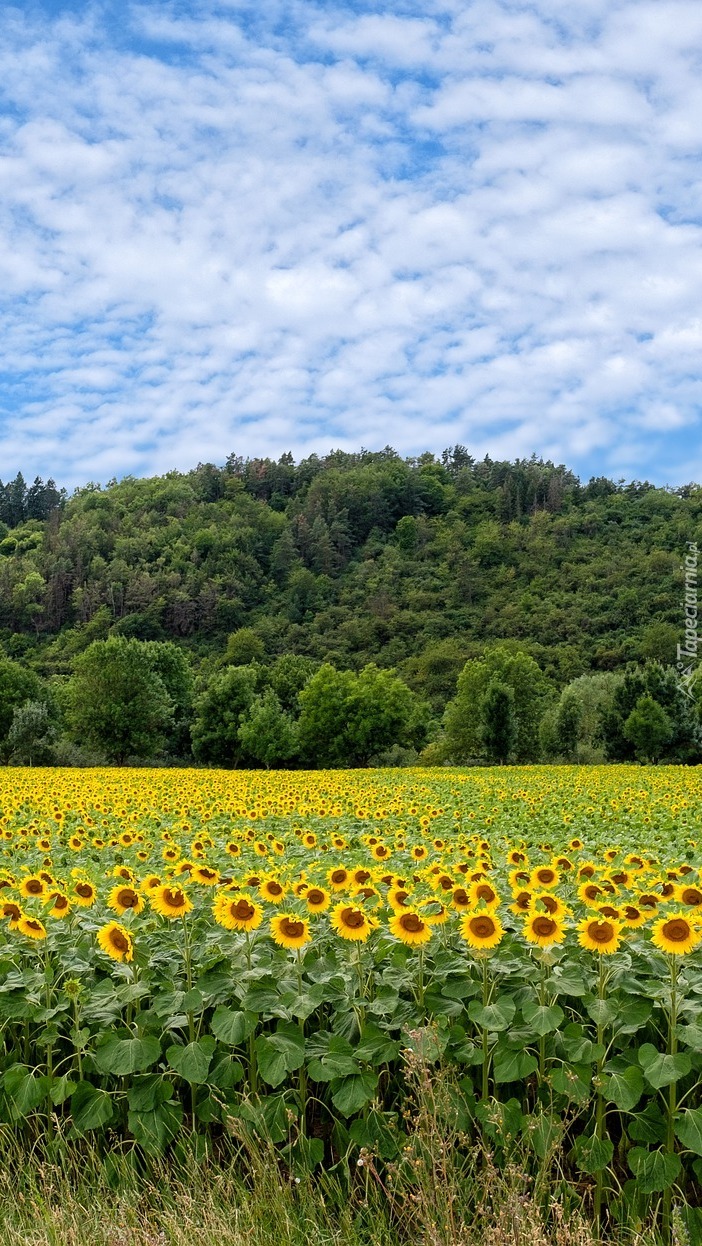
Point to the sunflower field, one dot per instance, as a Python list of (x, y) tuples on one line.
[(186, 954)]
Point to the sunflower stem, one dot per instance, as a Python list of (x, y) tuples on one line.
[(303, 1071), (187, 958), (49, 1045), (600, 1103), (672, 1094), (486, 1052)]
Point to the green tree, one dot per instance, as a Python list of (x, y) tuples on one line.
[(116, 702), (463, 720), (32, 734), (173, 668), (218, 714), (498, 722), (17, 685), (288, 676), (648, 728), (266, 732), (244, 646), (346, 718)]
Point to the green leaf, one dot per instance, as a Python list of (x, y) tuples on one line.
[(654, 1170), (662, 1070), (572, 1080), (691, 1036), (593, 1153), (192, 1062), (271, 1061), (353, 1093), (25, 1089), (232, 1027), (90, 1107), (542, 1133), (61, 1089), (496, 1017), (513, 1066), (688, 1128), (569, 982), (633, 1016), (625, 1088), (146, 1092), (127, 1055), (290, 1041), (602, 1011), (154, 1130), (543, 1018)]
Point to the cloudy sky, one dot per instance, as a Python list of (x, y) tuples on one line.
[(253, 227)]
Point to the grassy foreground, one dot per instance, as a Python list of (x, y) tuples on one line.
[(80, 1201)]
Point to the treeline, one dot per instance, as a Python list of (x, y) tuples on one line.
[(407, 568), (128, 700)]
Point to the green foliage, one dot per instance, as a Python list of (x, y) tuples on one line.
[(32, 734), (266, 732), (347, 718), (498, 721), (17, 686), (648, 728), (219, 711), (116, 702), (464, 717)]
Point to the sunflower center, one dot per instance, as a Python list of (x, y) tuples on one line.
[(315, 896), (127, 898), (460, 896), (592, 891), (119, 941), (11, 910), (362, 876), (676, 930), (34, 887), (482, 927), (275, 889), (353, 918), (550, 903), (84, 890), (243, 911), (544, 927), (601, 932), (291, 929), (483, 892), (411, 923), (176, 899), (339, 876), (692, 896)]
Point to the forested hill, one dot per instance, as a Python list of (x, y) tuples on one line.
[(411, 563)]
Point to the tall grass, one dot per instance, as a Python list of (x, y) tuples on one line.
[(444, 1190)]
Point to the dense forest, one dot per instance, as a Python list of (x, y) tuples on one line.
[(413, 566)]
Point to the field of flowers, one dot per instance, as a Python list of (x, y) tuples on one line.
[(186, 954)]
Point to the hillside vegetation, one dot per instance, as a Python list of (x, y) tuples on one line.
[(415, 565)]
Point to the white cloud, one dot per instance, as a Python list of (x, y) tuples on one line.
[(299, 227)]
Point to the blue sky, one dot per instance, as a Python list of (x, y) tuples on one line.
[(253, 227)]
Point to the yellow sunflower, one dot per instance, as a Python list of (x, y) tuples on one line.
[(32, 927), (351, 922), (31, 887), (600, 934), (317, 899), (272, 891), (60, 904), (122, 899), (204, 875), (290, 931), (544, 930), (13, 911), (170, 901), (84, 893), (236, 912), (410, 928), (544, 877), (482, 931), (483, 893), (338, 878), (675, 934), (116, 941)]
